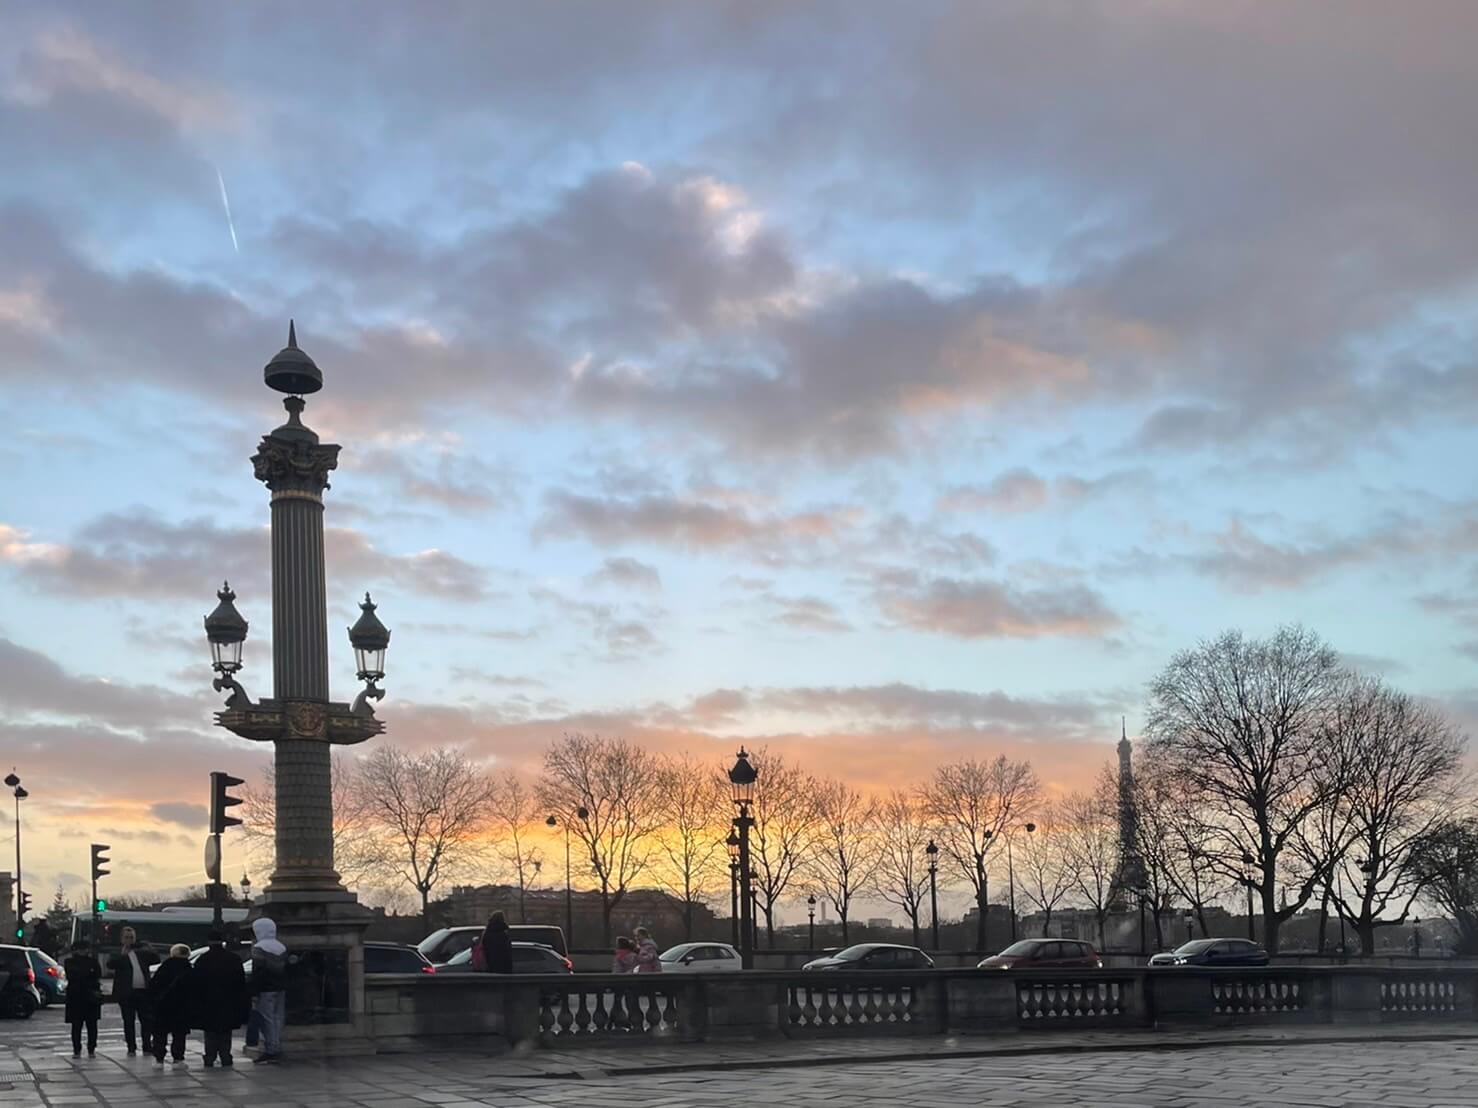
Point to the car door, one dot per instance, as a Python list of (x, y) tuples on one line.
[(1049, 956), (724, 960), (886, 958), (1219, 954), (699, 959)]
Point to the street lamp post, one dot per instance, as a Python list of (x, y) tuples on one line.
[(811, 919), (1011, 875), (742, 777), (583, 814), (316, 916), (1247, 863), (932, 851), (982, 882), (14, 782), (732, 843), (246, 890)]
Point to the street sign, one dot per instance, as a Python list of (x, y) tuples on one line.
[(213, 857)]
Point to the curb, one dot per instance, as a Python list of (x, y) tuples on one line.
[(1148, 1046)]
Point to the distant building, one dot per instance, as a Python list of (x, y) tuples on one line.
[(880, 923)]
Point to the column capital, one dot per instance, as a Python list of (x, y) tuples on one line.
[(291, 460)]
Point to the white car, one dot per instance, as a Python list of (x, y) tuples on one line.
[(701, 958)]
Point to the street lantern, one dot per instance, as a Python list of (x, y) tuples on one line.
[(811, 926), (245, 889), (732, 842), (12, 781), (370, 638), (742, 778), (225, 630)]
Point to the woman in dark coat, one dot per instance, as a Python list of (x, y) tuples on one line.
[(170, 993), (221, 1003), (84, 996), (497, 945)]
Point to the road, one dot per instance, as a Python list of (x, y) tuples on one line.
[(1354, 1074)]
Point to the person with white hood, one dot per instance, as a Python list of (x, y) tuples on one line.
[(269, 986)]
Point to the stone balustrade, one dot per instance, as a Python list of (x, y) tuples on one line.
[(673, 1007)]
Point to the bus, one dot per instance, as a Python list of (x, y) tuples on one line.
[(160, 930)]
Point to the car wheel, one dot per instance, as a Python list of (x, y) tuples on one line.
[(24, 1007)]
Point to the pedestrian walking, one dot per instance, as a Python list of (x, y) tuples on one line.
[(84, 996), (171, 993), (269, 986), (220, 1002), (625, 959), (131, 990), (497, 945), (648, 957)]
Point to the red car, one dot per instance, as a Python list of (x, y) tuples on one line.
[(1045, 954)]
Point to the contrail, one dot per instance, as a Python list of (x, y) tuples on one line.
[(226, 203)]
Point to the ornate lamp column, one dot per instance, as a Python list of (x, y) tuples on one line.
[(742, 778), (318, 917)]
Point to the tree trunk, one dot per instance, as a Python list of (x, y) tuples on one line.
[(688, 920), (1046, 922), (1365, 928), (914, 919), (1323, 921), (426, 907), (980, 923), (1271, 924), (606, 908), (523, 912), (842, 913)]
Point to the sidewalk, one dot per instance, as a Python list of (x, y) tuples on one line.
[(37, 1069)]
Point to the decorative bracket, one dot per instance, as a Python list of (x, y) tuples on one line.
[(238, 697), (273, 720), (370, 692)]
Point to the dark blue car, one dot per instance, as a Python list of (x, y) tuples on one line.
[(51, 979)]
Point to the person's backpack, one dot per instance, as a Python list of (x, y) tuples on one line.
[(479, 959)]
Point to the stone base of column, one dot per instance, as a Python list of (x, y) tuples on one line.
[(323, 931)]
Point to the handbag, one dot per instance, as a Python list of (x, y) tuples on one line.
[(479, 958)]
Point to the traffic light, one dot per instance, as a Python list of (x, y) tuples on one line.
[(100, 904), (25, 907), (99, 860), (220, 800)]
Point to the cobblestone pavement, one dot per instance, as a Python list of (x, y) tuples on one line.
[(1285, 1069)]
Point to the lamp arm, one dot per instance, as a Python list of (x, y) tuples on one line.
[(361, 706), (238, 697)]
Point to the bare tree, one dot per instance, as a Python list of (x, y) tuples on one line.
[(1400, 787), (1173, 842), (785, 819), (359, 855), (1089, 829), (620, 787), (429, 809), (515, 821), (1445, 861), (845, 854), (1241, 724), (969, 804), (1042, 864), (694, 824), (902, 872)]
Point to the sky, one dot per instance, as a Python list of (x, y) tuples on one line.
[(886, 383)]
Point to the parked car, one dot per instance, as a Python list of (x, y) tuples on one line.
[(873, 956), (51, 979), (446, 942), (1214, 952), (395, 958), (701, 958), (18, 995), (527, 958), (1044, 954)]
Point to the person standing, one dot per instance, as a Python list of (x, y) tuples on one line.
[(269, 983), (170, 992), (131, 989), (497, 945), (84, 996), (648, 957), (625, 959), (219, 984)]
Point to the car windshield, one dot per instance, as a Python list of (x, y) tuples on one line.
[(1195, 947), (675, 953), (1023, 949), (431, 941), (461, 958), (854, 953)]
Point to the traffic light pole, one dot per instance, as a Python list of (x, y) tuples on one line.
[(216, 917)]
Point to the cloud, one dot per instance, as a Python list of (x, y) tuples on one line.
[(627, 573), (1016, 490), (666, 519), (141, 555), (193, 816), (809, 613), (976, 608)]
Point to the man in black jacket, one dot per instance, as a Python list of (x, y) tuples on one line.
[(131, 989), (221, 1002)]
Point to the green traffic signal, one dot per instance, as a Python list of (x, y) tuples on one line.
[(20, 932), (102, 905)]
